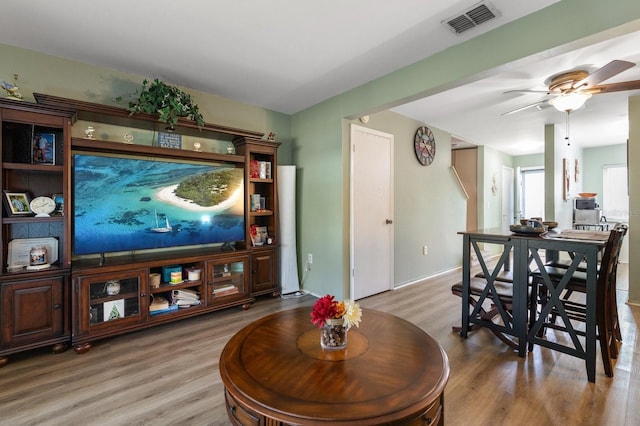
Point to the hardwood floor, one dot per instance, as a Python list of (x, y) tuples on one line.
[(169, 374)]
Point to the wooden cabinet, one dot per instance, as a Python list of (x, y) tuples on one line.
[(264, 272), (118, 296), (34, 313), (262, 199), (34, 299), (43, 154)]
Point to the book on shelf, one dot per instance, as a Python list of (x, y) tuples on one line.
[(170, 308), (185, 297), (185, 294), (225, 290)]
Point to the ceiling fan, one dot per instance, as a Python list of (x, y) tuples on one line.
[(570, 90)]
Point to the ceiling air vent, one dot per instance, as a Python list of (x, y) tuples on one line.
[(478, 14)]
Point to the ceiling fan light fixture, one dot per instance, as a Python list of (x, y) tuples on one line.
[(570, 102)]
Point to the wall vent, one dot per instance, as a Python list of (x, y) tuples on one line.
[(478, 14)]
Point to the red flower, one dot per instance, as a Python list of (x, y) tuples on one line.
[(323, 309)]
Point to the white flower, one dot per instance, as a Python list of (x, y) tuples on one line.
[(352, 315)]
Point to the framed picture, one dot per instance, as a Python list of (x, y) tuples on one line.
[(43, 148), (59, 200), (17, 203)]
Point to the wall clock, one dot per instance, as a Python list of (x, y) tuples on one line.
[(424, 145)]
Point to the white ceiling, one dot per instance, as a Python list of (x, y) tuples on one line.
[(287, 55)]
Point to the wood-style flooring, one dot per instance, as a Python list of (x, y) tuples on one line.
[(168, 375)]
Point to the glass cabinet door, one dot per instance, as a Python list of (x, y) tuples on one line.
[(111, 300), (227, 279)]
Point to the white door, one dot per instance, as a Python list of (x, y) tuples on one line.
[(371, 212), (508, 215)]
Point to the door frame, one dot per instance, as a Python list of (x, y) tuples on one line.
[(357, 128)]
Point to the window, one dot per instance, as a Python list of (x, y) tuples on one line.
[(615, 196), (533, 193)]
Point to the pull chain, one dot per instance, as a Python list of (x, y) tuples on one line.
[(567, 129)]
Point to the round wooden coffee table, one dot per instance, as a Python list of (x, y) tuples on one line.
[(391, 373)]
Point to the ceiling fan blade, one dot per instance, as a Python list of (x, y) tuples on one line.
[(545, 92), (537, 104), (601, 74), (615, 87)]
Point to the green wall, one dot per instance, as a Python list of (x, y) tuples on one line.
[(70, 79), (419, 194)]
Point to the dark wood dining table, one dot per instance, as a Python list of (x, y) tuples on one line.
[(523, 253)]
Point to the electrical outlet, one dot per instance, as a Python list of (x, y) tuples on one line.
[(425, 250), (310, 259)]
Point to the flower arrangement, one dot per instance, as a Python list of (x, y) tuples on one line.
[(169, 102), (327, 308)]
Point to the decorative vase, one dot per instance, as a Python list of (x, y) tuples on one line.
[(333, 334)]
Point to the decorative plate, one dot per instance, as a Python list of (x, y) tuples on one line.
[(527, 230)]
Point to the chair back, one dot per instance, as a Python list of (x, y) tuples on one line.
[(610, 257)]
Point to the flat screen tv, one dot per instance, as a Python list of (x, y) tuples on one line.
[(124, 203)]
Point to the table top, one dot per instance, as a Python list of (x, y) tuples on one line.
[(390, 368), (576, 235)]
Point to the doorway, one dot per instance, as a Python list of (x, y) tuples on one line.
[(371, 221)]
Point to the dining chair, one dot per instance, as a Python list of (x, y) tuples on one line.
[(614, 300), (553, 279), (491, 306), (491, 298)]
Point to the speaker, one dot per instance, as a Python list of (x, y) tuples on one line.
[(287, 205)]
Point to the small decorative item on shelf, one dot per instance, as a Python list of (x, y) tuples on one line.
[(112, 287), (128, 138), (258, 234), (59, 200), (334, 319), (197, 146), (12, 89), (231, 149), (168, 102), (38, 258), (154, 280), (89, 132), (272, 136), (169, 140)]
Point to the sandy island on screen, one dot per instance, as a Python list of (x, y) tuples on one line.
[(167, 195)]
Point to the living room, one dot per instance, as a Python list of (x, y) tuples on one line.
[(316, 138)]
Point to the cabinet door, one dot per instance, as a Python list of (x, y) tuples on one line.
[(33, 311), (264, 272), (227, 280), (109, 301)]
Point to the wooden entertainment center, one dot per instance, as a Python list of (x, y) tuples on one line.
[(70, 301)]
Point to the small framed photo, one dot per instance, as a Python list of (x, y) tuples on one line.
[(17, 203), (43, 148), (59, 200)]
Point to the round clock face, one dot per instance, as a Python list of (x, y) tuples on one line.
[(425, 145), (42, 206)]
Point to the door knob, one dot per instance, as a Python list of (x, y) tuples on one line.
[(389, 221)]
